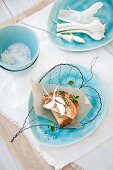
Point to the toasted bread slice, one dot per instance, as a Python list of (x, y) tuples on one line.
[(62, 120), (71, 109), (65, 120)]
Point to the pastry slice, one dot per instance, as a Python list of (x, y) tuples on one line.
[(70, 108)]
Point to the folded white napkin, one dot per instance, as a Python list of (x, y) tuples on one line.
[(15, 89)]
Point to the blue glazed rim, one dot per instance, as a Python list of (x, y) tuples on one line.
[(21, 69), (28, 64), (98, 122), (82, 50), (68, 49)]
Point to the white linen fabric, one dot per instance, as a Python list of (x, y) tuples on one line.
[(15, 89)]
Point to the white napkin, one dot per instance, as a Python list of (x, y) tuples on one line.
[(15, 89)]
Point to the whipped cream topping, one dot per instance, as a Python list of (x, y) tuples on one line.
[(55, 102)]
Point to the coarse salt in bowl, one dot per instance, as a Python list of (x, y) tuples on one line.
[(19, 47)]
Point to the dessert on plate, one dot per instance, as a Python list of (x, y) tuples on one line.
[(63, 105)]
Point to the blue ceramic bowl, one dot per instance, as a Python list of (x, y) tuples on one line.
[(19, 34)]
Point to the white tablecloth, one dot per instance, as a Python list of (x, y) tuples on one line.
[(15, 89)]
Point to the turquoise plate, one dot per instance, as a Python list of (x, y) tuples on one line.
[(49, 133), (105, 14)]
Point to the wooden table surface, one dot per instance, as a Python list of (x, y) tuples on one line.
[(12, 158)]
